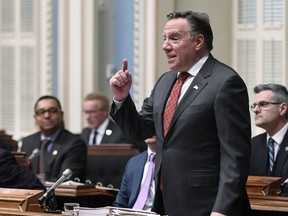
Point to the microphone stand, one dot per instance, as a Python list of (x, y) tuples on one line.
[(49, 196), (51, 203)]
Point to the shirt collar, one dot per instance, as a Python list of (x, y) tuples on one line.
[(279, 136), (149, 152), (194, 70), (52, 137), (102, 128)]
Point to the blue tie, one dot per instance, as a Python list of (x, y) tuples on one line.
[(271, 153), (94, 137)]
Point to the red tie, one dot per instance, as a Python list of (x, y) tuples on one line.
[(172, 101)]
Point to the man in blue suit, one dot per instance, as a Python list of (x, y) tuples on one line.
[(133, 178)]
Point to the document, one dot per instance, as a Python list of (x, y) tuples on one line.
[(113, 211)]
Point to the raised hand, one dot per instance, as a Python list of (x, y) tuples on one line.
[(121, 82)]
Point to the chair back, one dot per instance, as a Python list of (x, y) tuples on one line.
[(106, 163), (9, 143), (23, 160)]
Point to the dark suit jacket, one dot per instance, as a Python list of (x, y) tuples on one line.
[(259, 157), (13, 175), (204, 159), (71, 153), (131, 181), (116, 137)]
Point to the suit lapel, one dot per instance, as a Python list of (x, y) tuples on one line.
[(138, 175), (106, 138), (165, 89), (197, 85), (282, 155), (189, 96), (54, 151), (86, 135), (262, 152)]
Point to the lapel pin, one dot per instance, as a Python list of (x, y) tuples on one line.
[(108, 132), (195, 87), (286, 148), (55, 152)]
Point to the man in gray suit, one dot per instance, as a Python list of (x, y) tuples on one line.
[(203, 148)]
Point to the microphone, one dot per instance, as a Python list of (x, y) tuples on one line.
[(65, 175), (34, 154)]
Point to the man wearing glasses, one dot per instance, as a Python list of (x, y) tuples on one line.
[(58, 148), (269, 151)]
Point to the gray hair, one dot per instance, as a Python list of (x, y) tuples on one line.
[(279, 91)]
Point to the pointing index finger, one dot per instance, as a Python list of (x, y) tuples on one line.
[(124, 65)]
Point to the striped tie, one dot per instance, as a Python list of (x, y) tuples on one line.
[(271, 154)]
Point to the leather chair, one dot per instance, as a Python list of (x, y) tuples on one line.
[(23, 160), (8, 142), (106, 163)]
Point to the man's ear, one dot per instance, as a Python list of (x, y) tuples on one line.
[(200, 41), (283, 108)]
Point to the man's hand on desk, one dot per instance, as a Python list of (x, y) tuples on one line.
[(216, 214)]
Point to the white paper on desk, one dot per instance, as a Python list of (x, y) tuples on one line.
[(70, 182), (113, 211), (106, 188)]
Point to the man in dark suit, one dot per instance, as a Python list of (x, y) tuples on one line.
[(101, 128), (271, 114), (63, 149), (203, 155), (13, 175), (133, 178)]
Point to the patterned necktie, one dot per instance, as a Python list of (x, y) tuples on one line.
[(94, 137), (172, 101), (271, 154), (144, 191), (43, 151)]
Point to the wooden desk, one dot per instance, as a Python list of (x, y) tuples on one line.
[(85, 195), (264, 195), (269, 203), (17, 213)]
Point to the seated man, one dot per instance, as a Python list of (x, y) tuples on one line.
[(136, 172), (59, 148), (271, 113), (13, 175), (101, 128)]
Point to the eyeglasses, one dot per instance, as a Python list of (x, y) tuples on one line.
[(51, 111), (92, 112), (263, 104)]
